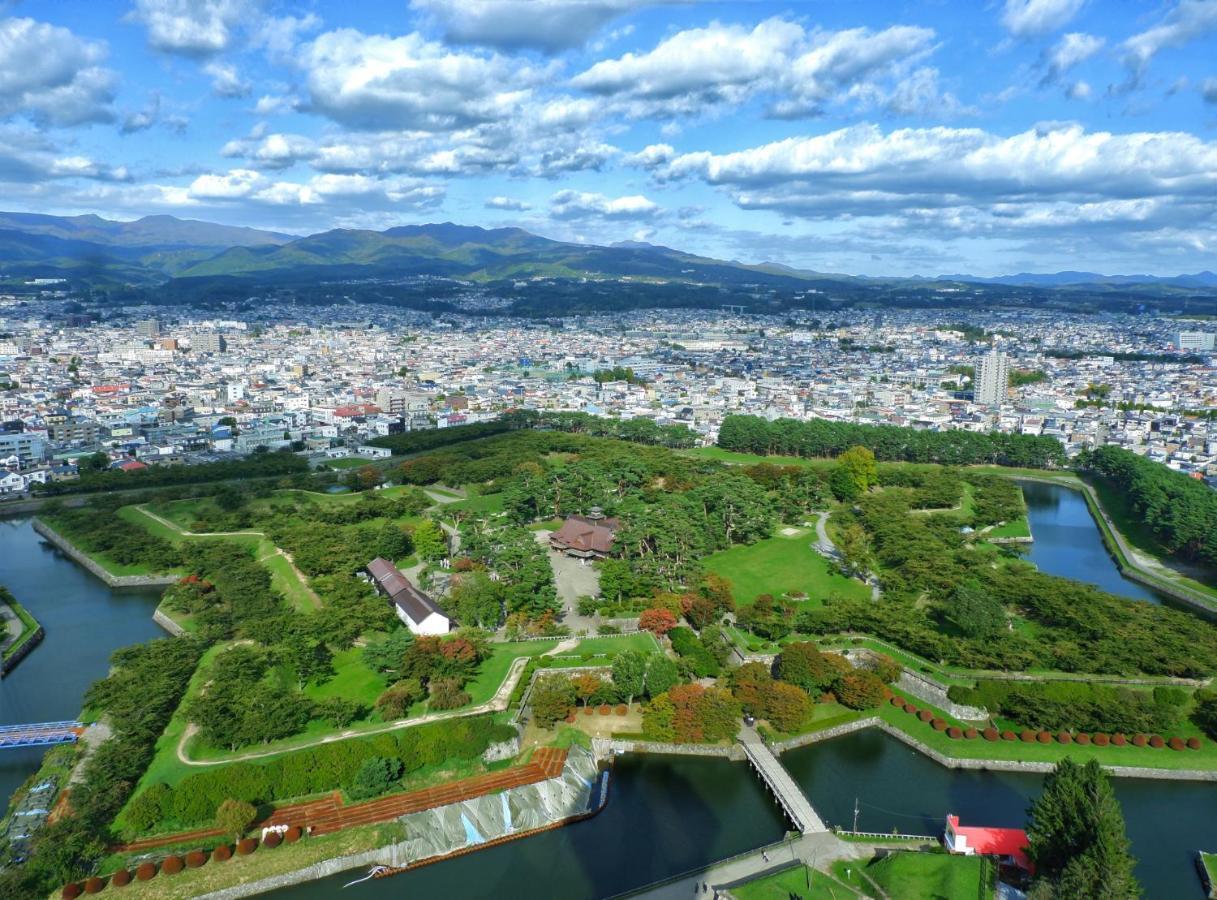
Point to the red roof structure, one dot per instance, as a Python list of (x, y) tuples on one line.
[(1010, 844)]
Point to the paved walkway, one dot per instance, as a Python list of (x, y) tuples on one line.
[(778, 780), (573, 578), (815, 850)]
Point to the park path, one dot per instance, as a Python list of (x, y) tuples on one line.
[(825, 547), (497, 703), (314, 598)]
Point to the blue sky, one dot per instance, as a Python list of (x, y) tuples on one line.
[(871, 138)]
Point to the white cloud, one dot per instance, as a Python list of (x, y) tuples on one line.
[(548, 25), (1208, 90), (507, 203), (272, 151), (269, 104), (51, 75), (377, 82), (143, 119), (198, 28), (970, 178), (1033, 18), (1072, 49), (226, 80), (1188, 20), (583, 205), (238, 185), (694, 70)]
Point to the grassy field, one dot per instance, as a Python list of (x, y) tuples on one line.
[(480, 504), (1210, 866), (793, 882), (352, 680), (1019, 528), (750, 459), (932, 876), (780, 565), (350, 462), (1148, 757)]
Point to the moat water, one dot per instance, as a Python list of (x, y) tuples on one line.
[(665, 815)]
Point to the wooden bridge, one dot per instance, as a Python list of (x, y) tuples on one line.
[(792, 799), (42, 734)]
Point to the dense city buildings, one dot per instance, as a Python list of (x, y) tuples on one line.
[(323, 380)]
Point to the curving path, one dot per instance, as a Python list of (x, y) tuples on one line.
[(497, 703), (279, 551)]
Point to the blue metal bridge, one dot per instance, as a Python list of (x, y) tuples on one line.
[(42, 734)]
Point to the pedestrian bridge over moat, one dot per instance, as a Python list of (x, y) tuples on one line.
[(42, 734), (789, 795)]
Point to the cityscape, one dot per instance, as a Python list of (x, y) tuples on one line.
[(604, 449)]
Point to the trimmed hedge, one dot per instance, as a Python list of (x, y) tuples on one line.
[(94, 885), (1193, 743), (1101, 740), (970, 734), (954, 733), (292, 834), (272, 841), (1118, 739), (925, 715), (1027, 736), (70, 891), (1140, 740), (1064, 737), (221, 853), (1044, 737), (1083, 739), (121, 878), (1157, 742), (195, 859), (991, 734), (1176, 743), (172, 865), (246, 846), (145, 871), (1009, 735)]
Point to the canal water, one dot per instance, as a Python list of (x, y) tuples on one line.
[(665, 814), (85, 621), (1067, 542)]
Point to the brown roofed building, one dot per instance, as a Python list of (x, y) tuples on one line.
[(414, 608), (586, 537)]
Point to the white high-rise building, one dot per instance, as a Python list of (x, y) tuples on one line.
[(1195, 340), (992, 378)]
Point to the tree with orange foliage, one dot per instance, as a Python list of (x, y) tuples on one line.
[(657, 621)]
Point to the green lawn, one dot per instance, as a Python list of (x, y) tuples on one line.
[(1165, 758), (350, 462), (1019, 528), (478, 504), (352, 680), (751, 459), (1210, 866), (642, 641), (28, 626), (782, 565), (932, 876), (793, 882)]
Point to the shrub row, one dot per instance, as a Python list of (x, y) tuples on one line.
[(1031, 736), (172, 865)]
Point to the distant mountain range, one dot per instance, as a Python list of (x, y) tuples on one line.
[(155, 249), (1065, 279)]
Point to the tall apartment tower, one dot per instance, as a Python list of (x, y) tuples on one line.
[(149, 328), (992, 378), (1195, 340)]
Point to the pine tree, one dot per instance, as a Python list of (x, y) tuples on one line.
[(1076, 837)]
